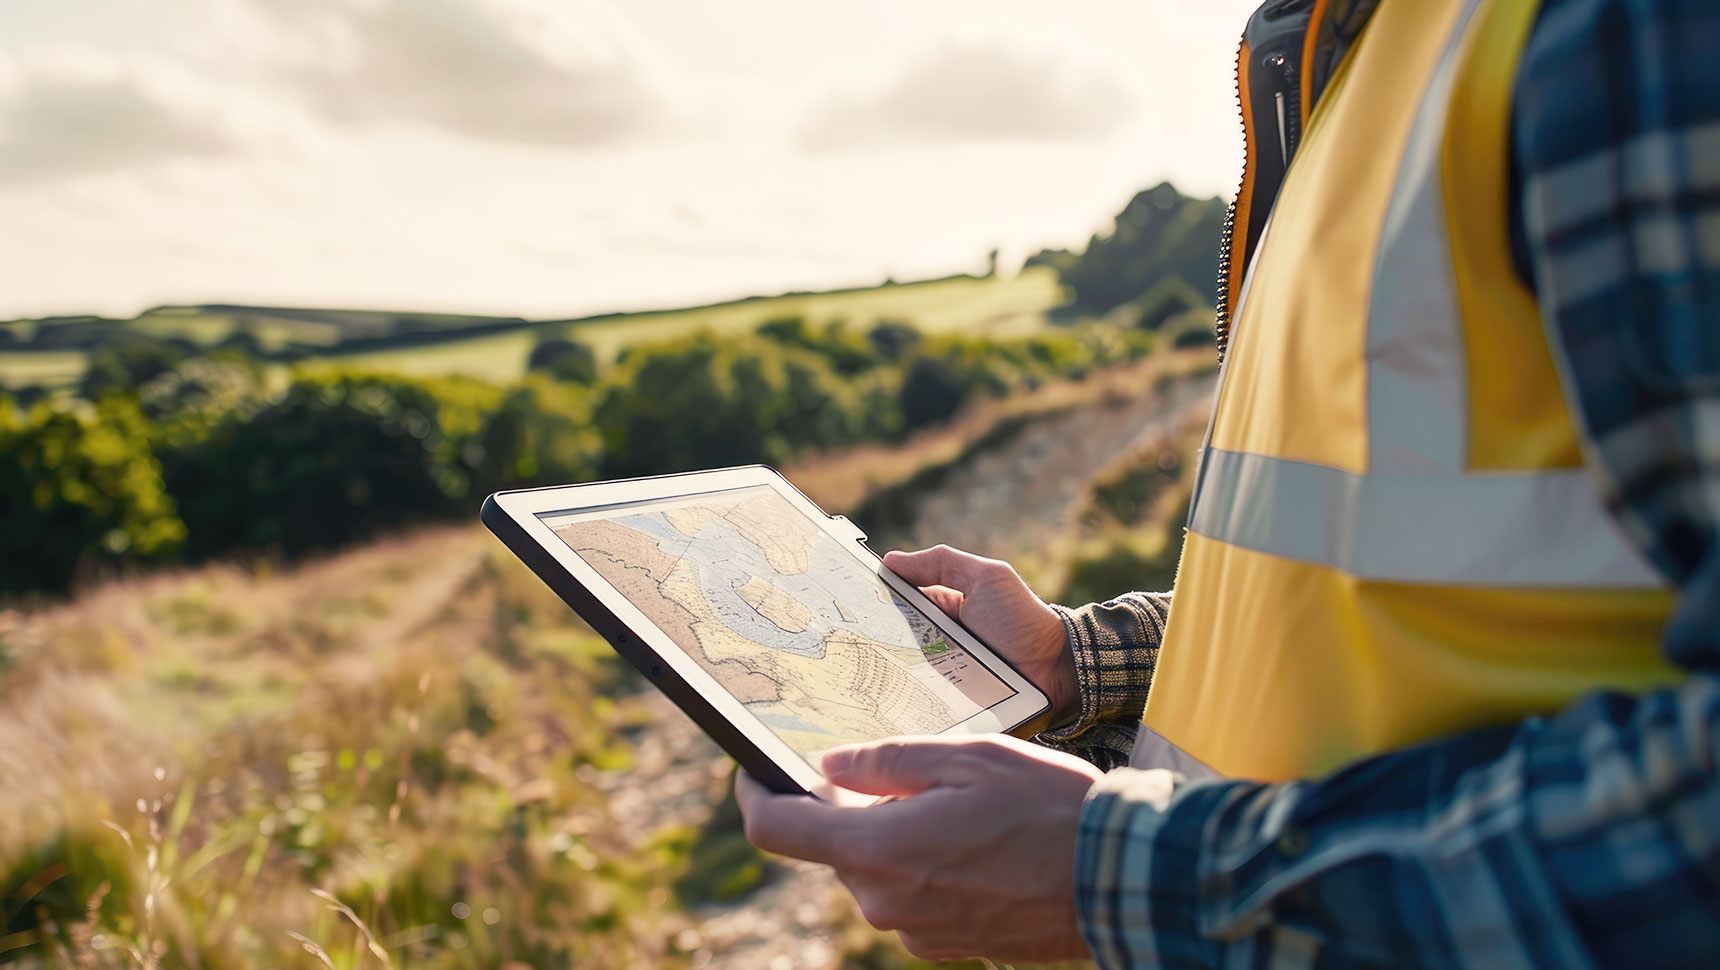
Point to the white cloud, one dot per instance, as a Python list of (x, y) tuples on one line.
[(978, 92), (78, 110), (555, 72)]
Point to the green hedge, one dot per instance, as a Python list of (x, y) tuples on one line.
[(79, 485), (215, 456)]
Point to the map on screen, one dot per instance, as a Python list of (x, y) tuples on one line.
[(796, 627)]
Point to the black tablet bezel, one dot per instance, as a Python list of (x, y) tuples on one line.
[(514, 518)]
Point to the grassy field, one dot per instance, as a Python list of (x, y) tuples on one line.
[(980, 307), (413, 756), (409, 756), (996, 306), (49, 368), (499, 357)]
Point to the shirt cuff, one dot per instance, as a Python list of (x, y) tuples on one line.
[(1115, 646), (1137, 869)]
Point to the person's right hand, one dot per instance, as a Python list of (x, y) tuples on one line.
[(990, 599)]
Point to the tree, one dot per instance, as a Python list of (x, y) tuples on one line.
[(565, 360), (122, 363), (933, 389), (892, 339), (1160, 233), (1167, 300)]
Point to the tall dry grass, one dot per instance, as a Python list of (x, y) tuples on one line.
[(389, 759)]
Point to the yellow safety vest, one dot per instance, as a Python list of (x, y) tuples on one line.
[(1392, 535)]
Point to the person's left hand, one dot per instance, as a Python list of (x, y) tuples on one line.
[(975, 858)]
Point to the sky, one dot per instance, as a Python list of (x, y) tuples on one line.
[(551, 158)]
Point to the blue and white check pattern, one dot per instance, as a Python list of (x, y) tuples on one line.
[(1589, 839)]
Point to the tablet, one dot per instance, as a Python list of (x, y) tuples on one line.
[(764, 618)]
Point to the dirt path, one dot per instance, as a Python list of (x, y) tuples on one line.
[(1019, 502)]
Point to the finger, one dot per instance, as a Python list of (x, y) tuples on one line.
[(798, 826), (898, 766), (937, 566), (930, 946), (944, 598)]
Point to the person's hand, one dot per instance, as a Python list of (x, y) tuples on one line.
[(990, 599), (976, 858)]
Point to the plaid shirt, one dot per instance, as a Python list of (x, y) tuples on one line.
[(1587, 839)]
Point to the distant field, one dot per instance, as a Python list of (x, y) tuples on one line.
[(496, 348), (994, 307), (492, 357), (48, 368)]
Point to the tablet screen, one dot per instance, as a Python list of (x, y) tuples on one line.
[(800, 630)]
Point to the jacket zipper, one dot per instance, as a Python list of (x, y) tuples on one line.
[(1227, 237), (1288, 105)]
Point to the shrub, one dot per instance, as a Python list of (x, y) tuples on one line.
[(79, 485), (129, 359), (1129, 565), (892, 339), (705, 401), (1166, 300), (1195, 336), (565, 360), (337, 458), (542, 434), (846, 352), (933, 389)]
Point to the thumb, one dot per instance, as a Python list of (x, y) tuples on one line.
[(937, 566), (893, 766)]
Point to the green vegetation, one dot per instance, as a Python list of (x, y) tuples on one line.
[(1132, 529), (41, 368), (77, 485), (438, 802), (1160, 235), (216, 454), (410, 754), (58, 352)]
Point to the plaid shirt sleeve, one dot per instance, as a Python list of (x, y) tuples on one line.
[(1589, 839), (1116, 644)]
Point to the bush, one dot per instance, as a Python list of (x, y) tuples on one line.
[(1167, 300), (336, 459), (565, 360), (79, 485), (213, 454), (892, 339), (846, 352), (1126, 566), (188, 402), (705, 401), (542, 434), (1196, 336), (933, 389), (129, 359)]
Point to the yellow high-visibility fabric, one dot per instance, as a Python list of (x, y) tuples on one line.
[(1518, 415), (1276, 666)]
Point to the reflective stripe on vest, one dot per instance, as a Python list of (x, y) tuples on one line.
[(1391, 535)]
